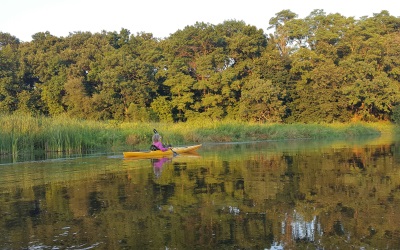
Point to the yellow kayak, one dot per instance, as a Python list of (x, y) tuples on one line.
[(158, 153)]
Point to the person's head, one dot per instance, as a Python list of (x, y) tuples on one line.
[(156, 138)]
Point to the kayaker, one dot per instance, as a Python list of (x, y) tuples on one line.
[(158, 144)]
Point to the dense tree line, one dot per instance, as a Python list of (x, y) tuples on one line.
[(323, 68)]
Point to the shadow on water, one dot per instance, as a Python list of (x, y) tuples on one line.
[(296, 194)]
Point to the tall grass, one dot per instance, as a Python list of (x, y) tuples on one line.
[(238, 131), (23, 134), (26, 134)]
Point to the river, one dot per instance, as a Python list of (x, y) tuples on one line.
[(257, 195)]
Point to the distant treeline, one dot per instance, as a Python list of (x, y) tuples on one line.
[(323, 68)]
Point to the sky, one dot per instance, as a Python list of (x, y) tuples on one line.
[(24, 18)]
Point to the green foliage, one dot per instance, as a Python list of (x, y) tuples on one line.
[(162, 107), (261, 102), (396, 114), (9, 77), (138, 114), (324, 68)]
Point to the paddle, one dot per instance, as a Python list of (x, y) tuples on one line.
[(175, 153)]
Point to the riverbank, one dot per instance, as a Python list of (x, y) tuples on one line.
[(23, 134)]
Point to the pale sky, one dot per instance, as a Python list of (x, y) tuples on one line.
[(23, 18)]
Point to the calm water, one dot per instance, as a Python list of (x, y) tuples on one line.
[(269, 195)]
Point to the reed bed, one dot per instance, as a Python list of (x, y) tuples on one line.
[(25, 134), (239, 132)]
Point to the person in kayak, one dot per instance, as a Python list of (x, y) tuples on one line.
[(157, 144)]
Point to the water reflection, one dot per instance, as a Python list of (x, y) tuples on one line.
[(300, 228), (158, 165), (272, 195)]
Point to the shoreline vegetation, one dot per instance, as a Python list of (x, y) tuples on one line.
[(20, 134), (321, 68)]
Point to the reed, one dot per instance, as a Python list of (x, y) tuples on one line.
[(234, 131), (239, 131), (21, 134), (24, 134)]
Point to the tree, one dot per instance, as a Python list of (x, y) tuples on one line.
[(391, 59), (139, 66), (370, 82), (163, 108), (181, 94), (396, 114), (281, 31), (44, 72), (192, 60), (8, 39), (52, 93), (261, 101), (317, 96), (372, 99), (9, 73), (322, 68), (76, 100)]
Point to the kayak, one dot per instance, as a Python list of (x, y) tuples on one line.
[(158, 153)]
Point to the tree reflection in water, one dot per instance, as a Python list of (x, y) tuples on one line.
[(247, 196), (301, 229)]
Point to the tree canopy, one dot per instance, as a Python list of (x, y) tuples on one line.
[(322, 68)]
